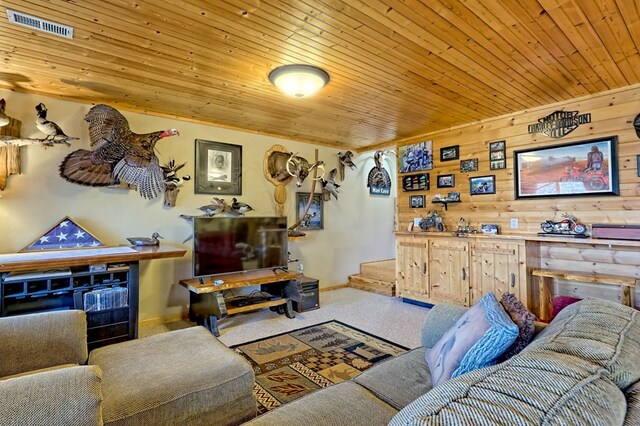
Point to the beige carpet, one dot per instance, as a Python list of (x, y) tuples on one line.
[(383, 316)]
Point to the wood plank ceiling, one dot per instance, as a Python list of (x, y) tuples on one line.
[(399, 68)]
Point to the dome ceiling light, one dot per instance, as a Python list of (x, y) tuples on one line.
[(299, 81)]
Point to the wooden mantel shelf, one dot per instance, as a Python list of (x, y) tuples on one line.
[(19, 262)]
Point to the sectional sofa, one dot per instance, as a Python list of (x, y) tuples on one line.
[(582, 369)]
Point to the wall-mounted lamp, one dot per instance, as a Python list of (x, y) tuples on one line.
[(299, 80)]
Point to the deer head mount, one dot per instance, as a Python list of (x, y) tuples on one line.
[(283, 166)]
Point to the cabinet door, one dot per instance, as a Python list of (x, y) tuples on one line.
[(412, 273), (449, 271), (498, 267)]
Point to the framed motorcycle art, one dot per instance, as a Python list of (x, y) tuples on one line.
[(578, 168)]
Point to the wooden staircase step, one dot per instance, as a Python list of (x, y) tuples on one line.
[(383, 270), (361, 282)]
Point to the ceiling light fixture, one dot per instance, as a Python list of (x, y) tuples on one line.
[(299, 80)]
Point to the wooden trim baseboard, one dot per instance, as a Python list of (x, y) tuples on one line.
[(152, 322), (334, 287)]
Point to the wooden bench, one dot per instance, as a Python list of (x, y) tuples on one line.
[(546, 276)]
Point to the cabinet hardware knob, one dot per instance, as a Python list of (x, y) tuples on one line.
[(513, 279), (424, 268), (464, 274)]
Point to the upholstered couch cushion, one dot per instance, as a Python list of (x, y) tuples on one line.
[(398, 380), (599, 331), (633, 405), (477, 340), (180, 377), (64, 396), (533, 388), (346, 403)]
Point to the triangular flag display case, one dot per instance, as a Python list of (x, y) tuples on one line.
[(66, 234)]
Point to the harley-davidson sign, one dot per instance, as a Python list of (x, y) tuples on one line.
[(559, 123)]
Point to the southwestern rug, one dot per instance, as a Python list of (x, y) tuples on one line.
[(293, 364)]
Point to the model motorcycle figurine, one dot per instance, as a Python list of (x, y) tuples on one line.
[(569, 225), (433, 219)]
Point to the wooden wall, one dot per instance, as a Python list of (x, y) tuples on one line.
[(612, 113)]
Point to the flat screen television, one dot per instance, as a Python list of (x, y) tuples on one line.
[(223, 245)]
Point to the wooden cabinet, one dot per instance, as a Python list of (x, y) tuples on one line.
[(449, 270), (444, 269), (498, 266), (412, 268), (111, 317)]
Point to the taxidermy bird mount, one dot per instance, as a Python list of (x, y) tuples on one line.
[(52, 130), (345, 160), (239, 207), (118, 155), (172, 182), (4, 120), (329, 186)]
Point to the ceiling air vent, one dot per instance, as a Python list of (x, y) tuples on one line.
[(39, 24)]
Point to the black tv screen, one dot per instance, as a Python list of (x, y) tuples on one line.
[(223, 245)]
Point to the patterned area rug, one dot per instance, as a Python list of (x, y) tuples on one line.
[(294, 364)]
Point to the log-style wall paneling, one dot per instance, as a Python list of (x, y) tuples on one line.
[(399, 68), (612, 114)]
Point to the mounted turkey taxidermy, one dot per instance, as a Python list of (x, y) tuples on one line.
[(118, 155)]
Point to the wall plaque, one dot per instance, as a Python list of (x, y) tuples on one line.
[(559, 123)]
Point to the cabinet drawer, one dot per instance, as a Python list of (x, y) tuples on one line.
[(111, 316)]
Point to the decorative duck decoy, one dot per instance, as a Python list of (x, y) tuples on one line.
[(145, 241)]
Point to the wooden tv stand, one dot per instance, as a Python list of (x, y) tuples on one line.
[(207, 304)]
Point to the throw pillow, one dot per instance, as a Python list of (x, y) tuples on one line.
[(524, 319), (476, 340), (561, 302)]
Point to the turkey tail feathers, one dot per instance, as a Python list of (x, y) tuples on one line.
[(78, 168), (149, 180)]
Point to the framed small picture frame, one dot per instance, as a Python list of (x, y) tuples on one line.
[(469, 165), (450, 153), (415, 182), (218, 168), (481, 185), (416, 201), (497, 155), (314, 219), (497, 146), (498, 164), (638, 164), (446, 181)]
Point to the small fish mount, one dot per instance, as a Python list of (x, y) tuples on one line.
[(172, 182)]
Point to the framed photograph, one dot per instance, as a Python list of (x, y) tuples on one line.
[(416, 157), (416, 201), (450, 153), (417, 182), (577, 168), (314, 219), (497, 146), (480, 185), (498, 164), (469, 165), (638, 164), (496, 155), (446, 181), (218, 168)]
